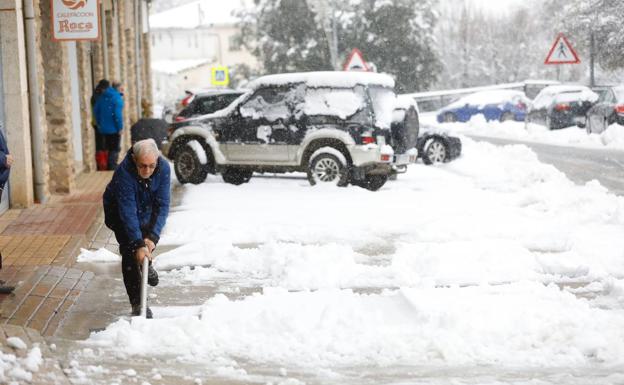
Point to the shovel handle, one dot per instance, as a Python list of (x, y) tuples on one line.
[(144, 273)]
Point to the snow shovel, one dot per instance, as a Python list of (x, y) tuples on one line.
[(144, 273)]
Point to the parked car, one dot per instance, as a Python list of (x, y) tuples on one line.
[(435, 146), (561, 106), (608, 109), (406, 134), (146, 128), (335, 126), (207, 102), (499, 105)]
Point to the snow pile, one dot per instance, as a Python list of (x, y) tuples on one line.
[(612, 138), (100, 255), (19, 368), (541, 325)]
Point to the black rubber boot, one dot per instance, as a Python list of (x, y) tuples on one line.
[(136, 311)]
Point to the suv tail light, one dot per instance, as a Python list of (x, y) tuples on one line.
[(368, 140), (619, 109), (562, 107)]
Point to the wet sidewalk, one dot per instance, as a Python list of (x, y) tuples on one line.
[(39, 247)]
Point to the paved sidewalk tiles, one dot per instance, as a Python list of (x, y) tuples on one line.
[(39, 246), (31, 250), (41, 302)]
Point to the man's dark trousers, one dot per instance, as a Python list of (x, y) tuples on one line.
[(130, 269)]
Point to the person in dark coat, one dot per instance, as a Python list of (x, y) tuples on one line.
[(108, 112), (6, 161), (136, 205), (101, 154)]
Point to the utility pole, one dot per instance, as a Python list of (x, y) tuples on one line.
[(592, 53), (333, 49), (326, 16)]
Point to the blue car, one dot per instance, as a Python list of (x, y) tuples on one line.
[(500, 105)]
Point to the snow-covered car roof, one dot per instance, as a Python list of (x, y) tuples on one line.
[(211, 92), (546, 96), (489, 97), (404, 102), (335, 79)]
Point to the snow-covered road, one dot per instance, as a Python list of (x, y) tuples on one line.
[(492, 261)]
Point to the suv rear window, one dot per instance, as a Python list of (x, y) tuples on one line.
[(342, 103), (383, 104)]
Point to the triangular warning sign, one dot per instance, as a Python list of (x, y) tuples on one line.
[(355, 62), (562, 52)]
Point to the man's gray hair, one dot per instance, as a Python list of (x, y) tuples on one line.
[(144, 147)]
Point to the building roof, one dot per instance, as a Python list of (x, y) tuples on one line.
[(176, 66), (198, 13)]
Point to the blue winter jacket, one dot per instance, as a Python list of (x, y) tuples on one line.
[(4, 170), (137, 208), (108, 111)]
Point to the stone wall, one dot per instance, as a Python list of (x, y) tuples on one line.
[(56, 157), (148, 91), (123, 70), (15, 88), (58, 108), (86, 89), (44, 184)]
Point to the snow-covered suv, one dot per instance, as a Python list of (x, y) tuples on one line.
[(334, 126)]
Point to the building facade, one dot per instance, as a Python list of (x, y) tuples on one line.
[(187, 42), (46, 86)]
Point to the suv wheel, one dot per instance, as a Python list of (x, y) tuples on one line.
[(236, 176), (325, 167), (188, 168), (435, 151)]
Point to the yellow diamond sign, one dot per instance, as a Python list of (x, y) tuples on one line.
[(220, 76)]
